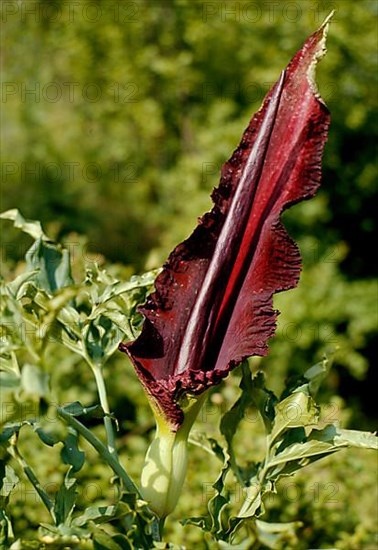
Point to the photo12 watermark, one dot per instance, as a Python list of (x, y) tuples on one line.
[(70, 11), (69, 92), (270, 11), (69, 171)]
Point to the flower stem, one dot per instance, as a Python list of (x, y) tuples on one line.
[(161, 526), (97, 371)]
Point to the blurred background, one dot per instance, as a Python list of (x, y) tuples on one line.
[(118, 116)]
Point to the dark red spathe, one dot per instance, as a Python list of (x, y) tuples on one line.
[(212, 306)]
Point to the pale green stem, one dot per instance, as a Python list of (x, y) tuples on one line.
[(161, 527), (97, 371)]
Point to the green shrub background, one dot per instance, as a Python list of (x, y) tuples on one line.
[(136, 107)]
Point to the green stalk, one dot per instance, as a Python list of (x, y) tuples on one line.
[(97, 371), (104, 452)]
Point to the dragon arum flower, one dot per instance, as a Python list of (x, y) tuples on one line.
[(213, 301)]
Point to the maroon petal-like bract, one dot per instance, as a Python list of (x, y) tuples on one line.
[(212, 306)]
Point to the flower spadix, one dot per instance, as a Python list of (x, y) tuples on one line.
[(212, 304)]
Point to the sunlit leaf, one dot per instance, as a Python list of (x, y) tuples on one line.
[(339, 437), (31, 227), (297, 410)]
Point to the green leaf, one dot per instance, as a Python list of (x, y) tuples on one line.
[(315, 376), (102, 514), (5, 529), (8, 481), (20, 285), (264, 400), (71, 454), (339, 437), (146, 280), (70, 317), (215, 522), (218, 503), (49, 261), (124, 542), (9, 430), (299, 409), (10, 365), (252, 500), (310, 382), (47, 438), (74, 409), (302, 453), (296, 449), (232, 418), (52, 263), (122, 322), (65, 499), (93, 335), (31, 227), (199, 521)]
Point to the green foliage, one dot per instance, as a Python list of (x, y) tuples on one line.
[(88, 319), (294, 439), (43, 308)]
